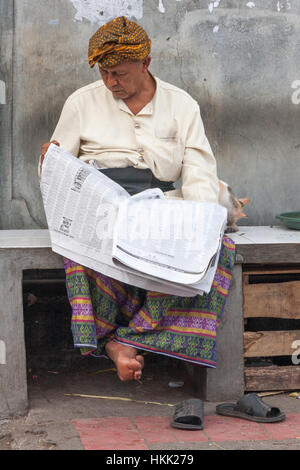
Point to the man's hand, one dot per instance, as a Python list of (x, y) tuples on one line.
[(45, 148)]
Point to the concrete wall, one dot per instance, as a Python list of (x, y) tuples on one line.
[(239, 59)]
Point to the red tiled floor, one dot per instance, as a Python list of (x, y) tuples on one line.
[(139, 432), (109, 434), (189, 436), (288, 429), (155, 428), (158, 429), (219, 428)]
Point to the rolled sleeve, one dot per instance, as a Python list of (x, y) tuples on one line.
[(199, 169), (67, 131)]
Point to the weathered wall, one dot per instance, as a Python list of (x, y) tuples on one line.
[(239, 59)]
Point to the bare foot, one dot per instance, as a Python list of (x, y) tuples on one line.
[(127, 360)]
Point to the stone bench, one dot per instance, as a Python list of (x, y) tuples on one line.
[(19, 250), (31, 249)]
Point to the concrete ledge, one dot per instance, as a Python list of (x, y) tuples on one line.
[(25, 239)]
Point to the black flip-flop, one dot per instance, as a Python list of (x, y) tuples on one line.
[(189, 414), (251, 407)]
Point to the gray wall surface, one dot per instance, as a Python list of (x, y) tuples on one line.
[(238, 59)]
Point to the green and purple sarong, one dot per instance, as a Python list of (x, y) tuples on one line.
[(180, 327)]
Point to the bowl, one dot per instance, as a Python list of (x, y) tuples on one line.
[(290, 219)]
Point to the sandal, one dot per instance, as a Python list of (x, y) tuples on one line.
[(251, 407), (189, 414)]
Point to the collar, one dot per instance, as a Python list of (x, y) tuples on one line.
[(147, 110)]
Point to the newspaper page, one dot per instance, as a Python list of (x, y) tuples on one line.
[(171, 239), (80, 203)]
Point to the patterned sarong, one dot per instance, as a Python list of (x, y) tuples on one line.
[(180, 327)]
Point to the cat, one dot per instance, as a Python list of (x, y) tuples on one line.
[(233, 204)]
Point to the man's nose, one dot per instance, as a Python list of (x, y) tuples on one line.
[(111, 80)]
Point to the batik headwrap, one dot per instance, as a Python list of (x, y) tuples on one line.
[(118, 41)]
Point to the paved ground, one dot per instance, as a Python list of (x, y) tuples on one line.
[(60, 420)]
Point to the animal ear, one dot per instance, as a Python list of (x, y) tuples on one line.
[(244, 201)]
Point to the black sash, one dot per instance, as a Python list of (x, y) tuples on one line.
[(135, 180)]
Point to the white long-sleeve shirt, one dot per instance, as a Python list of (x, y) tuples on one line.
[(167, 136)]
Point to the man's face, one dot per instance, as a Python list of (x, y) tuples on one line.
[(125, 80)]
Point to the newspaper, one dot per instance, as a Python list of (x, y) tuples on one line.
[(169, 239), (93, 221)]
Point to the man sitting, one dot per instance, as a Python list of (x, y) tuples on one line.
[(152, 132)]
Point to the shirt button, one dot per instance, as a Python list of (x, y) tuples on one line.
[(137, 125), (141, 159), (141, 150)]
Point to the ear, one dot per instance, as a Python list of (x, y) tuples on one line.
[(146, 62), (244, 201)]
